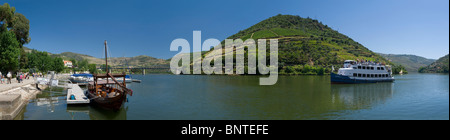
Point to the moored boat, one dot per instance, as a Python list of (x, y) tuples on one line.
[(108, 93), (127, 79), (81, 78), (364, 72)]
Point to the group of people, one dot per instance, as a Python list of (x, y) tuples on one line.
[(5, 78), (19, 77)]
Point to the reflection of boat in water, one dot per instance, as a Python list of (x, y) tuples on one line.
[(46, 101), (364, 72), (361, 95), (78, 112)]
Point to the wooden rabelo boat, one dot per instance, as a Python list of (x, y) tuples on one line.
[(105, 91)]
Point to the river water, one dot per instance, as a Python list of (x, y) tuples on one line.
[(202, 97)]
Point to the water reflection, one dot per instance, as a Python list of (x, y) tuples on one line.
[(190, 97), (50, 98), (53, 101), (84, 112), (78, 112), (361, 96)]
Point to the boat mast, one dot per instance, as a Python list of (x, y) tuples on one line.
[(106, 59)]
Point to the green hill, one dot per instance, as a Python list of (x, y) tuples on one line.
[(137, 61), (440, 66), (412, 63), (306, 46)]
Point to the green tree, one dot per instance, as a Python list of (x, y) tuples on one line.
[(83, 65), (21, 27), (32, 60), (58, 64), (44, 62), (10, 21), (74, 62), (9, 51), (23, 61), (40, 60), (103, 67), (92, 68), (306, 68), (6, 17), (320, 71)]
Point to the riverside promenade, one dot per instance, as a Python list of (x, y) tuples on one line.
[(15, 84), (14, 97)]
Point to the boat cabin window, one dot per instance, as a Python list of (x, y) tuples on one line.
[(363, 67), (359, 74), (382, 68), (355, 74), (376, 75), (378, 68), (359, 67), (364, 75), (354, 67), (372, 68)]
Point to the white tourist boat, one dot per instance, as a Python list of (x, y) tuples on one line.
[(364, 72)]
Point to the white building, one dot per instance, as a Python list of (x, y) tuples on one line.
[(67, 63)]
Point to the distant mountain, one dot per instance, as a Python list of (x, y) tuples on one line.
[(79, 57), (439, 66), (412, 63), (305, 43), (137, 61)]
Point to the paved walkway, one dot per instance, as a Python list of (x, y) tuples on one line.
[(14, 84)]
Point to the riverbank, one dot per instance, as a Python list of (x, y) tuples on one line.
[(13, 97)]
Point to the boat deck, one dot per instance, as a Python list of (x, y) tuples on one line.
[(80, 97)]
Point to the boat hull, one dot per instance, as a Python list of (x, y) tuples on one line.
[(114, 103), (78, 81), (341, 79)]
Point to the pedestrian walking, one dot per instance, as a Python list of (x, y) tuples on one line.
[(1, 78), (9, 76), (21, 78)]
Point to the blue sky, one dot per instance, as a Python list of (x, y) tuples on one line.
[(143, 27)]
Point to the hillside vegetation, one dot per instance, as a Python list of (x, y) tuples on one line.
[(137, 61), (440, 66), (412, 63), (306, 46)]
